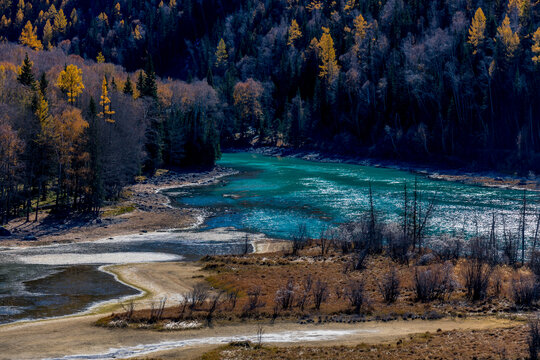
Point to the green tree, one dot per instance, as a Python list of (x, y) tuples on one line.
[(26, 76), (128, 87)]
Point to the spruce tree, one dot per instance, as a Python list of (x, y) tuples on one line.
[(26, 77), (128, 87)]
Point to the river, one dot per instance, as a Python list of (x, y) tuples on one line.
[(269, 196)]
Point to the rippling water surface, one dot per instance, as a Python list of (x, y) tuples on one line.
[(269, 196)]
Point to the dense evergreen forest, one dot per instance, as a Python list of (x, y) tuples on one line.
[(440, 81)]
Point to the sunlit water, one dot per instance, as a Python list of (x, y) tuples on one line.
[(274, 195), (269, 196)]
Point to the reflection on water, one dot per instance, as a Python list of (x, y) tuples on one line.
[(62, 279)]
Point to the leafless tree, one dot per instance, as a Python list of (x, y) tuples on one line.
[(434, 282), (214, 304), (198, 295), (534, 338), (320, 293), (232, 298), (389, 286), (525, 290), (285, 295), (299, 239), (356, 295), (303, 296), (254, 300)]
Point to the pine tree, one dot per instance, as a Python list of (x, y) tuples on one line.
[(536, 46), (509, 39), (29, 38), (329, 69), (221, 54), (105, 102), (150, 83), (477, 29), (43, 84), (128, 87), (294, 33), (70, 81), (140, 83), (26, 77)]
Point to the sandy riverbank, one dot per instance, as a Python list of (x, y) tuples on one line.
[(78, 334), (150, 211)]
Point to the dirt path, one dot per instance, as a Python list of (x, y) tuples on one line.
[(77, 335)]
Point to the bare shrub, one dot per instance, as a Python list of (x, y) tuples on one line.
[(534, 338), (534, 263), (303, 297), (434, 282), (320, 293), (497, 283), (299, 239), (477, 275), (254, 300), (477, 270), (356, 294), (198, 295), (510, 249), (398, 244), (525, 290), (389, 286), (128, 310), (357, 261), (214, 304), (232, 298), (285, 295), (447, 247), (156, 312)]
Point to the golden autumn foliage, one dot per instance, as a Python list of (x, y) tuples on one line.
[(329, 67), (105, 102), (509, 39), (60, 22), (360, 26), (536, 46), (221, 54), (70, 81), (100, 58), (29, 38), (294, 33), (315, 5), (477, 29), (247, 97)]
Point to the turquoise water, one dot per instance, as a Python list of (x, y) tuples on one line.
[(274, 195), (269, 195)]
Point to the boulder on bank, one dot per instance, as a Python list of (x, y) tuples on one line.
[(4, 231), (30, 238)]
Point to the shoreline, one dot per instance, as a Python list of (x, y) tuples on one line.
[(463, 176), (149, 211)]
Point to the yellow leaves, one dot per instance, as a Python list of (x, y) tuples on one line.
[(329, 68), (509, 39), (100, 58), (138, 32), (41, 110), (247, 96), (29, 37), (315, 5), (294, 33), (360, 27), (536, 46), (105, 103), (60, 22), (519, 7), (221, 54), (476, 31), (65, 129), (70, 81), (349, 5), (103, 18)]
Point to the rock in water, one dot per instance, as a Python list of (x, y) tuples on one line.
[(4, 231)]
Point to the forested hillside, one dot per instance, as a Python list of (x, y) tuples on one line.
[(412, 79), (74, 132), (441, 81)]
